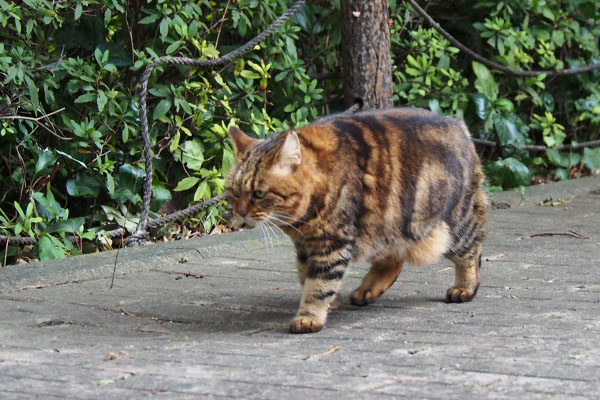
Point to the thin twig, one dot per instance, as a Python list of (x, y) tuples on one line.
[(31, 118), (333, 350), (5, 253), (222, 22), (37, 121), (569, 232)]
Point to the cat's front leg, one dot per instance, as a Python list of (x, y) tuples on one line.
[(322, 282)]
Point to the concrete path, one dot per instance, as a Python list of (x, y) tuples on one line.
[(209, 318)]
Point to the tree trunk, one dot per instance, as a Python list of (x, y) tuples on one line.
[(366, 62)]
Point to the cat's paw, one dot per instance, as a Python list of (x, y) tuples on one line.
[(304, 324), (460, 295), (361, 297)]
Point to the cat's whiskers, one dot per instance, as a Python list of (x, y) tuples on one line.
[(287, 216), (273, 217), (271, 224), (262, 230), (265, 228)]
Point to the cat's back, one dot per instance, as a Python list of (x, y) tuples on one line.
[(372, 138)]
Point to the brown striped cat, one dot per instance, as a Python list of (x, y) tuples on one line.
[(391, 186)]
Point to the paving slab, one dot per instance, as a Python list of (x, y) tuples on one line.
[(208, 318)]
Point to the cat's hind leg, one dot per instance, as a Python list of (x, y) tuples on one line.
[(381, 276), (467, 276)]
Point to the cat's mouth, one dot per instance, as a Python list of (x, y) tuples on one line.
[(238, 222)]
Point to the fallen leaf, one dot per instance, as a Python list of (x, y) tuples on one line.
[(578, 356), (114, 356), (495, 257), (333, 350)]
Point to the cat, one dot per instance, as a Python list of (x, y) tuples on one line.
[(390, 186)]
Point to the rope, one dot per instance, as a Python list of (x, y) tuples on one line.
[(138, 237), (491, 64)]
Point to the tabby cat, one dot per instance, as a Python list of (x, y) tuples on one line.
[(391, 186)]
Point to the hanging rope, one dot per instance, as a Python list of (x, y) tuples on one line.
[(139, 236)]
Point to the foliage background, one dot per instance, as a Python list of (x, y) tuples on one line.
[(70, 144)]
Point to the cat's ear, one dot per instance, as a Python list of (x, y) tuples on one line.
[(289, 157), (241, 142)]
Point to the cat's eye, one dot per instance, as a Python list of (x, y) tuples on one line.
[(259, 194)]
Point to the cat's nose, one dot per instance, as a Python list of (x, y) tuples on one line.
[(242, 210)]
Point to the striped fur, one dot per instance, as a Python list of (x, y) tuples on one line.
[(392, 186)]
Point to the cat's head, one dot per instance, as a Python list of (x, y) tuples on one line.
[(268, 181)]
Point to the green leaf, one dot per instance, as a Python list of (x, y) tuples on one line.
[(203, 192), (561, 174), (112, 214), (161, 193), (101, 100), (175, 142), (172, 47), (482, 106), (187, 183), (45, 159), (33, 93), (72, 225), (149, 19), (110, 184), (249, 74), (519, 171), (162, 109), (508, 133), (485, 83), (78, 11), (547, 12), (71, 158), (591, 158), (193, 154), (83, 186), (228, 159), (509, 172), (49, 248), (164, 28), (434, 105), (558, 158), (86, 98)]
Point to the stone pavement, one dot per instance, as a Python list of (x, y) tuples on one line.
[(209, 318)]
